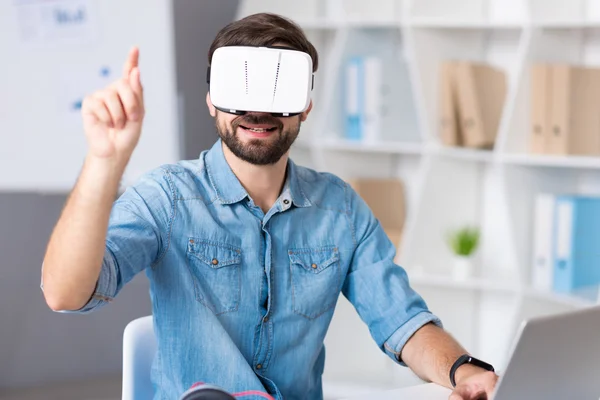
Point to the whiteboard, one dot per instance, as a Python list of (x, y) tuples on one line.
[(52, 54)]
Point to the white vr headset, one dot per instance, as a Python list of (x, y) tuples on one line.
[(276, 80)]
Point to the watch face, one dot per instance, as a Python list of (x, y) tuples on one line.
[(480, 364)]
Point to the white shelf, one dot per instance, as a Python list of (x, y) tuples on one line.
[(322, 23), (355, 23), (428, 23), (569, 300), (449, 24), (536, 160), (466, 154), (447, 281), (566, 24), (326, 24), (371, 147), (458, 153), (398, 147)]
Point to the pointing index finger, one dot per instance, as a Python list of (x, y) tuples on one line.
[(132, 62)]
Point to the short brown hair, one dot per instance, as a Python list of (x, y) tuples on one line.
[(264, 29)]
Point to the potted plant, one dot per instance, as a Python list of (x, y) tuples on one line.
[(463, 242)]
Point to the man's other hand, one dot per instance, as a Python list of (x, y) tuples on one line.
[(478, 386)]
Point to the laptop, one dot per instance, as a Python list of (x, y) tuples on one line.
[(555, 357)]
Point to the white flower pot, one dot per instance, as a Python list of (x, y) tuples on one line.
[(462, 268)]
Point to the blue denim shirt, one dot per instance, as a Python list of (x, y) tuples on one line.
[(243, 299)]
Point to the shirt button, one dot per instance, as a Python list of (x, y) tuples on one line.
[(286, 202), (266, 319), (314, 266), (258, 366), (215, 261)]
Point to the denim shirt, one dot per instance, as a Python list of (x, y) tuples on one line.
[(243, 299)]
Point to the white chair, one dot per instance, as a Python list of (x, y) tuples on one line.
[(139, 348)]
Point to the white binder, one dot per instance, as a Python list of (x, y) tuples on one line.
[(372, 104), (543, 232)]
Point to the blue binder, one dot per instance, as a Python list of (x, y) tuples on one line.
[(576, 243), (354, 95)]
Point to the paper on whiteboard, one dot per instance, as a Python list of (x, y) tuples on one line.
[(57, 22), (74, 83)]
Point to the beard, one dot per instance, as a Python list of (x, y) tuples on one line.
[(258, 151)]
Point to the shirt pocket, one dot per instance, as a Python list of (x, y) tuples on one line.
[(315, 278), (215, 269)]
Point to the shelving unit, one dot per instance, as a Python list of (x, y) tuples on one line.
[(446, 187)]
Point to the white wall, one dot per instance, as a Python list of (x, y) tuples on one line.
[(47, 66)]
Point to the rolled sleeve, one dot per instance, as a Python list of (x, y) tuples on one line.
[(106, 287), (394, 345), (378, 288)]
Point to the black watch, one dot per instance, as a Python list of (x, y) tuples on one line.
[(467, 359)]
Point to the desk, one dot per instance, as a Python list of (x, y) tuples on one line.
[(428, 391)]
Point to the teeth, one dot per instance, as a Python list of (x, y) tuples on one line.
[(257, 129)]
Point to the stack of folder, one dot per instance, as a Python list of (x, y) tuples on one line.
[(471, 101), (564, 118), (566, 244)]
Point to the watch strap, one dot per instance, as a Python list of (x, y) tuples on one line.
[(467, 359)]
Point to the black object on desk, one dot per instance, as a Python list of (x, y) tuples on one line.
[(206, 392)]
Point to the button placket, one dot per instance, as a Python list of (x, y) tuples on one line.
[(265, 330)]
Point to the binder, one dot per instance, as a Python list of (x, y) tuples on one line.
[(372, 81), (354, 95), (481, 93), (586, 125), (577, 243), (540, 101), (575, 121), (448, 118), (594, 100), (543, 255), (492, 91), (561, 109), (470, 122)]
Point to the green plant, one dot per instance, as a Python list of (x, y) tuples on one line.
[(464, 241)]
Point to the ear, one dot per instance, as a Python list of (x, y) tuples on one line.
[(304, 115), (211, 109)]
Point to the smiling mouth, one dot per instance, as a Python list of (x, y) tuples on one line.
[(258, 130)]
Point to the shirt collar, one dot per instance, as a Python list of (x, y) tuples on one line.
[(228, 188), (294, 184)]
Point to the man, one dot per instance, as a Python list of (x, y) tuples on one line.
[(246, 252)]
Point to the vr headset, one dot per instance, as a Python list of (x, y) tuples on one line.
[(276, 80)]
